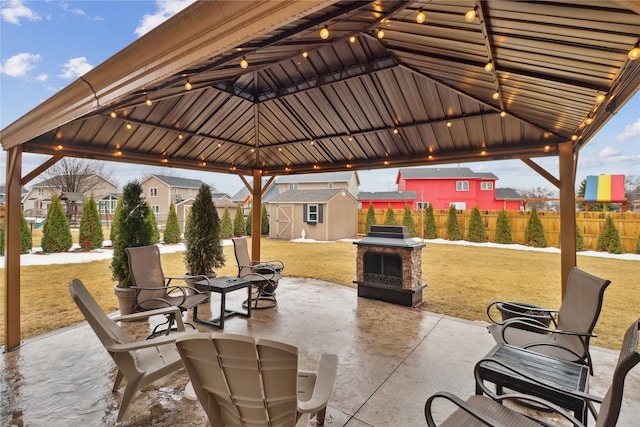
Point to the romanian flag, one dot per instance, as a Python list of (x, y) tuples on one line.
[(604, 188), (248, 199)]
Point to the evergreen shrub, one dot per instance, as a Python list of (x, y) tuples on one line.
[(431, 230), (239, 227), (90, 234), (202, 235), (390, 217), (407, 221), (476, 227), (56, 234), (453, 226), (503, 229), (609, 240), (534, 232), (172, 227), (371, 219), (264, 221), (226, 226)]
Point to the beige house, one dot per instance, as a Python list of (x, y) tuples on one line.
[(328, 214), (36, 201), (160, 191), (220, 200), (317, 181)]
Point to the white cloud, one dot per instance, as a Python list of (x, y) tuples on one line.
[(609, 152), (19, 65), (166, 9), (67, 8), (76, 67), (15, 10), (630, 131), (42, 77)]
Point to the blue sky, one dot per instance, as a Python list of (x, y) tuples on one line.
[(46, 45)]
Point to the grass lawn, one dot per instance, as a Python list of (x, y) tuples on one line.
[(462, 281)]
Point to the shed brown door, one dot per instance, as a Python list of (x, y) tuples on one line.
[(284, 221)]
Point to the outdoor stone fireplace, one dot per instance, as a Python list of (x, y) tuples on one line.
[(389, 266)]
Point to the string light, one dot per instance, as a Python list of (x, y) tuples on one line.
[(503, 114), (634, 53), (420, 17), (305, 54), (324, 33), (396, 131), (187, 85), (180, 136), (471, 15), (353, 38), (148, 102), (244, 63), (113, 114), (449, 123), (380, 34), (128, 126), (488, 67), (496, 95)]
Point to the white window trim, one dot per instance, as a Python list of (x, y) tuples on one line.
[(460, 206), (312, 217), (486, 185), (155, 209), (422, 205), (462, 185)]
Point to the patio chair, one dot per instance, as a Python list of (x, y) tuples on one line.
[(240, 381), (264, 276), (573, 328), (483, 410), (153, 289), (140, 362)]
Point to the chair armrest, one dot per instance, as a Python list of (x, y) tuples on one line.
[(136, 345), (546, 311), (325, 378), (484, 419), (145, 314)]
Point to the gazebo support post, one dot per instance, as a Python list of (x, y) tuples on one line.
[(256, 217), (567, 165)]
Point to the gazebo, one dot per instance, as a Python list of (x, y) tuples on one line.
[(261, 89)]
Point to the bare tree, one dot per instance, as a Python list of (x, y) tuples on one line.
[(539, 194), (75, 175)]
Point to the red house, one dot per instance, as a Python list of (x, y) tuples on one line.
[(461, 187), (385, 199)]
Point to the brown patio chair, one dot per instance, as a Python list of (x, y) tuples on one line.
[(483, 410), (140, 362), (243, 382), (573, 322), (264, 276), (154, 290)]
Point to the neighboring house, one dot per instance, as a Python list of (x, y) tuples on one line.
[(387, 199), (318, 181), (3, 194), (460, 187), (328, 214), (37, 200), (160, 191), (220, 200)]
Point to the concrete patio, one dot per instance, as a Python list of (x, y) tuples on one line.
[(391, 359)]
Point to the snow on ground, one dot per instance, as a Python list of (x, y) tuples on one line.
[(37, 257)]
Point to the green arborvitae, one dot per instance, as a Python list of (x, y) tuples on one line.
[(90, 236), (390, 217), (476, 227), (239, 228), (609, 239), (56, 234), (371, 219), (579, 240), (132, 229), (453, 226), (503, 229), (407, 221), (114, 228), (25, 236), (636, 249), (249, 220), (172, 227), (534, 232), (155, 232), (226, 226), (430, 228), (203, 249), (264, 221)]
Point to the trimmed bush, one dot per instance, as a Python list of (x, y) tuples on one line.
[(609, 240), (226, 226), (248, 225), (239, 227), (637, 248), (534, 232), (476, 227), (155, 233), (430, 228), (453, 226), (503, 229), (172, 227), (203, 250), (114, 225), (390, 217), (25, 236), (371, 219), (90, 234), (264, 221), (579, 240), (407, 221), (56, 234)]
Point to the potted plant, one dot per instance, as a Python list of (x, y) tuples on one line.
[(202, 236), (130, 228)]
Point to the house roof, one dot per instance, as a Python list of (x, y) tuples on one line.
[(507, 194), (374, 103), (243, 193), (442, 173), (346, 176), (308, 196), (55, 181), (387, 195), (174, 181)]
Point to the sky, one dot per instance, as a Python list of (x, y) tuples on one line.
[(46, 45)]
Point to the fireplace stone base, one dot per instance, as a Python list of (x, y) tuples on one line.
[(400, 296)]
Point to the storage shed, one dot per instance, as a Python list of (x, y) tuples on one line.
[(329, 214)]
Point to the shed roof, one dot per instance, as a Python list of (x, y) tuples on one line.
[(308, 196), (387, 195), (373, 103), (508, 194), (346, 176), (174, 181)]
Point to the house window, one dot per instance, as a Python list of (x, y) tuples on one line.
[(190, 191), (329, 185), (422, 205), (487, 185), (40, 192), (312, 214), (462, 185), (153, 192), (460, 206), (155, 209), (293, 186)]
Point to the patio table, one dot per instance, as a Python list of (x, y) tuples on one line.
[(223, 285)]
